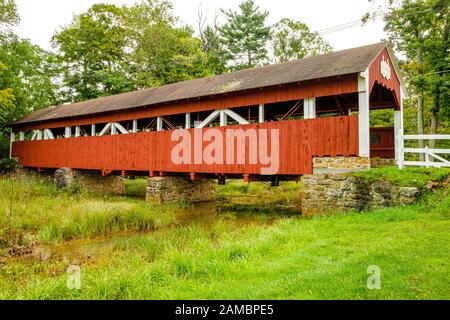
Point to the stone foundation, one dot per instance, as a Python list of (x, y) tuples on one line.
[(89, 181), (340, 164), (325, 193), (172, 189), (333, 188), (24, 173)]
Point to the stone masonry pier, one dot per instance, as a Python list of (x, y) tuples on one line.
[(172, 189), (89, 181), (333, 188)]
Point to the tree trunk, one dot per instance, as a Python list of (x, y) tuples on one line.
[(437, 93), (420, 108), (434, 122)]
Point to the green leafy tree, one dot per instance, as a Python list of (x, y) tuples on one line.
[(31, 73), (245, 36), (294, 40), (176, 56), (8, 15), (160, 52), (212, 46), (92, 51), (109, 50), (420, 30), (27, 75)]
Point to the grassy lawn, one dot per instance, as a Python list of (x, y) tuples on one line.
[(228, 258)]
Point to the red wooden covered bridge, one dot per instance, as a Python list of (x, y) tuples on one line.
[(319, 105)]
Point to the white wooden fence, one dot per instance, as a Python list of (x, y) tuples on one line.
[(432, 159)]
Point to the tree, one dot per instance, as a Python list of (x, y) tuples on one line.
[(27, 75), (245, 36), (92, 51), (109, 50), (211, 44), (294, 40), (420, 30), (31, 73), (160, 52), (8, 15), (437, 55), (27, 82)]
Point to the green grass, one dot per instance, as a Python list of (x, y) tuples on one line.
[(135, 187), (37, 211), (232, 256), (406, 177), (322, 258), (259, 193)]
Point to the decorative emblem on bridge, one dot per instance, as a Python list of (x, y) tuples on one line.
[(385, 68)]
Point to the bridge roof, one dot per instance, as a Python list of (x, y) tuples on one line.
[(328, 65)]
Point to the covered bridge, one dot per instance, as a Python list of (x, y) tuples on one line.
[(320, 106)]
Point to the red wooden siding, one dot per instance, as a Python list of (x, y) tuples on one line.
[(375, 76), (382, 144), (300, 140), (295, 91)]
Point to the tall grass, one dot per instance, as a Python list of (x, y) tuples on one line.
[(135, 187), (34, 210), (322, 258), (259, 193), (293, 258)]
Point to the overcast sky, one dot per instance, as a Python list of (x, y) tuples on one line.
[(41, 18)]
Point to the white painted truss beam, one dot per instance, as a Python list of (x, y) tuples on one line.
[(209, 119), (48, 134), (105, 129), (235, 116)]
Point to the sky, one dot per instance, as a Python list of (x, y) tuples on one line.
[(40, 19)]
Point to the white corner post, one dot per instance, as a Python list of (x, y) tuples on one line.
[(93, 130), (398, 130), (223, 118), (261, 115), (77, 131), (68, 132), (309, 108), (135, 126), (159, 124), (11, 140), (363, 114), (187, 123)]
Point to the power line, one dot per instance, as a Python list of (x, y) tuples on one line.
[(376, 15), (430, 74)]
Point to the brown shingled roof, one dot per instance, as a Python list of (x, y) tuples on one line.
[(332, 64)]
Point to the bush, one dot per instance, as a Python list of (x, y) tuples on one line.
[(8, 165)]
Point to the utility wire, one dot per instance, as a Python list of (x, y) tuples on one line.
[(430, 74), (359, 22)]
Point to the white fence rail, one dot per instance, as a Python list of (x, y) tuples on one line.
[(431, 158)]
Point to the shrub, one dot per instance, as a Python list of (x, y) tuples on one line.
[(8, 165)]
